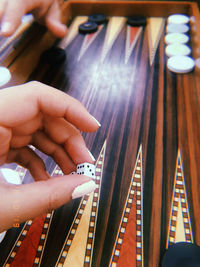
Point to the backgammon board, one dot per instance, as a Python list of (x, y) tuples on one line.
[(147, 149)]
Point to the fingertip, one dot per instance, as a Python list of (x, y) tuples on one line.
[(56, 27), (91, 156), (79, 116), (95, 124), (96, 121), (7, 29), (83, 189)]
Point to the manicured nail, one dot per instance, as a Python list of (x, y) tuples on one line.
[(91, 156), (84, 189), (2, 235), (6, 27), (98, 123), (10, 176)]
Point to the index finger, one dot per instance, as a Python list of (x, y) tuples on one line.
[(59, 104), (21, 103)]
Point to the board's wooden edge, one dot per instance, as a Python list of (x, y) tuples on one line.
[(128, 8), (74, 8)]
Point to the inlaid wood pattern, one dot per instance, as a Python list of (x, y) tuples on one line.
[(180, 223), (128, 250), (79, 243)]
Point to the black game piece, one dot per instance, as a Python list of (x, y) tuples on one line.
[(54, 55), (88, 27), (98, 18), (137, 21), (182, 254)]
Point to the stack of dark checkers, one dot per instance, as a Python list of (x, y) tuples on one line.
[(88, 27), (54, 56), (137, 21), (182, 254), (91, 25), (177, 49), (98, 18)]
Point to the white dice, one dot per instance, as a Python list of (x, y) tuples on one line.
[(87, 169)]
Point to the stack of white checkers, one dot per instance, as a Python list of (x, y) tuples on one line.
[(177, 49)]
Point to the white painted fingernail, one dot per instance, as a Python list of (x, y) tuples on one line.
[(6, 27), (2, 235), (10, 176), (98, 123), (84, 189), (91, 156)]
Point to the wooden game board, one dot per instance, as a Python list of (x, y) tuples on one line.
[(147, 149)]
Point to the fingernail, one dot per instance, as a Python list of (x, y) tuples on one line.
[(98, 123), (84, 189), (2, 235), (10, 176), (91, 156), (6, 27)]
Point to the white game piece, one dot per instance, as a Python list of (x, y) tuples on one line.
[(176, 37), (27, 18), (177, 50), (87, 169), (10, 176), (73, 173), (2, 235), (178, 19), (180, 28), (4, 76), (180, 64)]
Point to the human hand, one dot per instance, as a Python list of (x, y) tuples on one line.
[(50, 120), (45, 11)]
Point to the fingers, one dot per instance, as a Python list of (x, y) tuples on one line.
[(27, 158), (63, 105), (57, 152), (11, 16), (25, 202), (66, 134), (5, 137), (52, 21), (65, 146), (48, 11), (36, 97), (49, 110), (29, 126)]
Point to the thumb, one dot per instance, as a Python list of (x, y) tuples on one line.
[(23, 202)]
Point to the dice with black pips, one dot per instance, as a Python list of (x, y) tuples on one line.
[(87, 169)]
